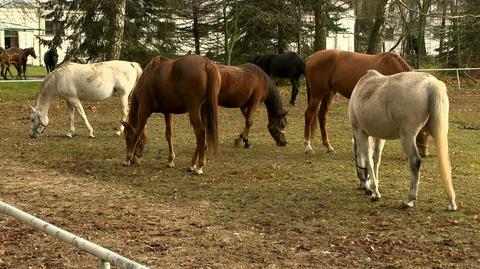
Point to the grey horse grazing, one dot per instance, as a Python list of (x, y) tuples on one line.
[(397, 107)]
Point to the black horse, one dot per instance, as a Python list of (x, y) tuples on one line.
[(50, 58), (288, 65)]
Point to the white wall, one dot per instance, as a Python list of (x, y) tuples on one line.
[(29, 24)]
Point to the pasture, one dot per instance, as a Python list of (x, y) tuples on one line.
[(263, 207)]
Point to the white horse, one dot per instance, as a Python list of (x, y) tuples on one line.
[(84, 82), (398, 106)]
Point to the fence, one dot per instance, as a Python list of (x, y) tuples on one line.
[(105, 256), (451, 69)]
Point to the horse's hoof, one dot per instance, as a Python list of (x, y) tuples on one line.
[(247, 145), (171, 164), (408, 204), (331, 150), (192, 168), (375, 198), (237, 142), (127, 163), (199, 171), (118, 133), (452, 207), (309, 151), (69, 135), (91, 136)]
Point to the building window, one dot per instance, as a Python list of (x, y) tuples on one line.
[(11, 39), (51, 27)]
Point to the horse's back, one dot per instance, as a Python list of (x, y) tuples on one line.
[(240, 84), (386, 106), (174, 85), (340, 70)]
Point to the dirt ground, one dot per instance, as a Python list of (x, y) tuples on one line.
[(273, 215)]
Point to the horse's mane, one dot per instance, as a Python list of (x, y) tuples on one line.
[(273, 102), (155, 61), (397, 65)]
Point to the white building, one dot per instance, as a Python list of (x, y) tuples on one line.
[(21, 25)]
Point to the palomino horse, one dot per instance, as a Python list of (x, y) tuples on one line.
[(288, 65), (84, 82), (187, 84), (17, 57), (332, 71), (398, 106), (245, 87)]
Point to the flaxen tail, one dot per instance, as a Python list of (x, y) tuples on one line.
[(211, 105), (437, 125)]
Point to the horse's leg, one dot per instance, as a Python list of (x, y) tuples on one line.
[(124, 106), (377, 154), (169, 137), (322, 118), (364, 149), (422, 145), (310, 122), (294, 82), (71, 113), (414, 160), (361, 167), (248, 115), (25, 71), (80, 110), (198, 159)]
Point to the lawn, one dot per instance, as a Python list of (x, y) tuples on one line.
[(263, 207)]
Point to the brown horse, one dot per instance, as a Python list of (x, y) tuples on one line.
[(245, 87), (18, 57), (187, 84), (331, 71)]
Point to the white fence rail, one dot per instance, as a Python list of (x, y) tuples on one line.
[(451, 69), (105, 256)]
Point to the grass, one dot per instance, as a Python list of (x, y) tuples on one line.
[(32, 71), (306, 203)]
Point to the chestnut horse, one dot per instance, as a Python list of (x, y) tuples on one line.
[(332, 71), (18, 57), (245, 87), (189, 84)]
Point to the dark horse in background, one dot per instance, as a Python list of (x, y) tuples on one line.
[(50, 58), (331, 71), (245, 87), (189, 84), (288, 65), (18, 58)]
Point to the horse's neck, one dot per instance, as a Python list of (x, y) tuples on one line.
[(43, 102)]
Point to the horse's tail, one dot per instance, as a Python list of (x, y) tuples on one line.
[(437, 125), (211, 105)]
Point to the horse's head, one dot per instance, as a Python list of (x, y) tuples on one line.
[(135, 149), (276, 127), (39, 122), (31, 52)]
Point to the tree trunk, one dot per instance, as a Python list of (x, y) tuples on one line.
[(320, 42), (118, 22), (442, 29), (299, 31), (225, 32), (195, 30), (375, 39)]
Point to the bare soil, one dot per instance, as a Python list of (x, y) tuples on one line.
[(263, 207)]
